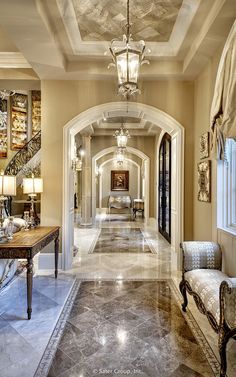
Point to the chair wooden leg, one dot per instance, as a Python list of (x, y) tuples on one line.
[(183, 291), (223, 340)]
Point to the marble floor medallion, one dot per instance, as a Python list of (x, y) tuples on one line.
[(135, 328), (121, 240)]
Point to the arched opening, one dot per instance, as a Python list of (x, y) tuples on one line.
[(145, 175), (132, 109)]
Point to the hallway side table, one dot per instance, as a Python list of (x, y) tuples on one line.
[(25, 245)]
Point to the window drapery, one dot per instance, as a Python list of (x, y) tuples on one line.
[(223, 109)]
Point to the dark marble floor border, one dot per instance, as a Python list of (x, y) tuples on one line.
[(46, 360), (45, 363), (149, 243)]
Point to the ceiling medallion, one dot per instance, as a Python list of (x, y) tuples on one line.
[(122, 135), (128, 56)]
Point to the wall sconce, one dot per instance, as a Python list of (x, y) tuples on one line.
[(77, 161), (77, 164), (7, 188), (99, 171), (32, 186)]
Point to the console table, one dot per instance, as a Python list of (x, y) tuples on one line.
[(25, 245)]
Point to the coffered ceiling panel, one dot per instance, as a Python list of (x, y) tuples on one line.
[(104, 20)]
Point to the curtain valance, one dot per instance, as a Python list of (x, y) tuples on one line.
[(223, 109)]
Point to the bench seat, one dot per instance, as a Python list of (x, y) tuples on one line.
[(213, 291), (206, 284)]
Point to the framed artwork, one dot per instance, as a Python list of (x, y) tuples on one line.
[(36, 111), (204, 145), (19, 121), (3, 128), (120, 180), (204, 181)]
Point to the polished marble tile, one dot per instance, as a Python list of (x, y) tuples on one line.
[(121, 240), (128, 332), (22, 342)]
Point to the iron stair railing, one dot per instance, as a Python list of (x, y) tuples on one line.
[(20, 159), (24, 155)]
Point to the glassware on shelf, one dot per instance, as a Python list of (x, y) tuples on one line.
[(9, 229), (27, 220)]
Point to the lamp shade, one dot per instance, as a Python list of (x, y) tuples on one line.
[(32, 185), (7, 185)]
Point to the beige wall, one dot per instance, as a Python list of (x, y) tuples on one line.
[(204, 218), (63, 100)]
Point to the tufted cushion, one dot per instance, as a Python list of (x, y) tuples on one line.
[(206, 283)]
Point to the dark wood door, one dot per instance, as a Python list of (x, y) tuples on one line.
[(164, 219)]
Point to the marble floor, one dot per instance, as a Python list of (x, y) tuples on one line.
[(128, 328), (24, 343), (109, 266), (121, 240)]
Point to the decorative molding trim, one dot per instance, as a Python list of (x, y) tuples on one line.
[(13, 60)]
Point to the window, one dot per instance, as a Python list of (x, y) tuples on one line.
[(226, 197)]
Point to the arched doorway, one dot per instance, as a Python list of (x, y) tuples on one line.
[(132, 109), (145, 175)]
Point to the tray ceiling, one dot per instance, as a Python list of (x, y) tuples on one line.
[(68, 39), (104, 20)]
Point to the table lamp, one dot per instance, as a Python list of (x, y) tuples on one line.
[(7, 188), (32, 186)]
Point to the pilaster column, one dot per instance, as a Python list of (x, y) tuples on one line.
[(86, 203)]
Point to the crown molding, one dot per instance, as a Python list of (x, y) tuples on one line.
[(13, 60)]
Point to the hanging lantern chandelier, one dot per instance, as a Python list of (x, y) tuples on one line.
[(120, 156), (128, 56), (122, 135)]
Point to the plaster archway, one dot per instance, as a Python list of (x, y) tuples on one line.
[(106, 110), (146, 163)]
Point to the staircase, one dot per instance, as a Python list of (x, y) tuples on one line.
[(24, 155), (27, 155)]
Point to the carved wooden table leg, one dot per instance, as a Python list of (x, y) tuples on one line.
[(29, 285), (56, 255)]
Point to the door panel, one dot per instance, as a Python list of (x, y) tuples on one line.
[(164, 220)]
